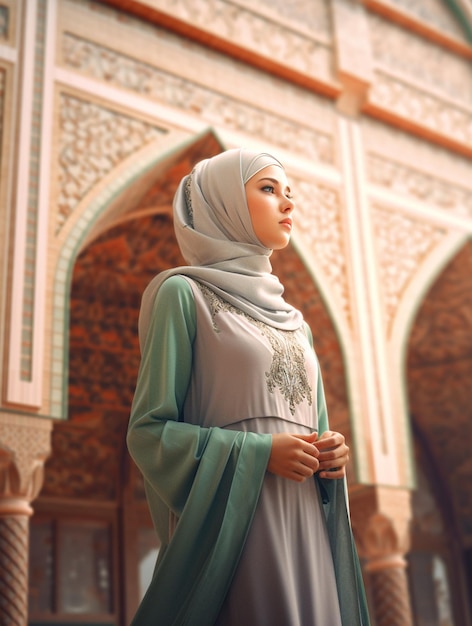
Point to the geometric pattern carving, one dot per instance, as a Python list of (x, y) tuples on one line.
[(423, 108), (34, 175), (93, 140), (318, 220), (215, 108), (313, 15), (420, 61), (403, 244), (13, 570), (390, 597), (413, 183), (247, 27), (436, 13)]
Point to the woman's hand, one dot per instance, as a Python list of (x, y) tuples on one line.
[(333, 455), (293, 456)]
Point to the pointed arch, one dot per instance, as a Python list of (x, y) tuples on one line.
[(414, 296), (96, 212)]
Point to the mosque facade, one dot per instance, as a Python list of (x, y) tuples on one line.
[(104, 106)]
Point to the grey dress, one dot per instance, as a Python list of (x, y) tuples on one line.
[(248, 376)]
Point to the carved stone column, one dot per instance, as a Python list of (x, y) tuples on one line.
[(24, 447), (381, 519)]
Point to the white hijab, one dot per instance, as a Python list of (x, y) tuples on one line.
[(215, 235)]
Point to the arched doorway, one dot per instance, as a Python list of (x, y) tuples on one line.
[(439, 370)]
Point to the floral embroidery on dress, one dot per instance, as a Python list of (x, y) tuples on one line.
[(287, 371)]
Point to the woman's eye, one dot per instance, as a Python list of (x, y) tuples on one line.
[(268, 188)]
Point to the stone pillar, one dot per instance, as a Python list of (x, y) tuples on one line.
[(381, 519), (24, 447), (353, 54)]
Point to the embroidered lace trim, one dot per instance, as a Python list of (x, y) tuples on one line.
[(287, 371)]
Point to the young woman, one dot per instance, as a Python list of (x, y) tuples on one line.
[(244, 479)]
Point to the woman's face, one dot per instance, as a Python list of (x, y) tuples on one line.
[(270, 206)]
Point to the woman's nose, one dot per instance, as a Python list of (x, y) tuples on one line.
[(288, 205)]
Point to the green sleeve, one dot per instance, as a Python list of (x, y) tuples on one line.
[(209, 478), (156, 439)]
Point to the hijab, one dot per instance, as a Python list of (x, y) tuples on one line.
[(214, 231)]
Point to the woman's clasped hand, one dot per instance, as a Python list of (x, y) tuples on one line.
[(298, 457)]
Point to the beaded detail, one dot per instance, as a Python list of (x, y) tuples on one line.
[(287, 371)]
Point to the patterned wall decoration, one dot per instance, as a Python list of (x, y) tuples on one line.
[(265, 34), (439, 374), (420, 61), (421, 82), (33, 194), (403, 243), (216, 108), (315, 16), (413, 183), (119, 184), (420, 107), (93, 140), (435, 13), (319, 220)]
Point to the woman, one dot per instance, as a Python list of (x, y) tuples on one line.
[(229, 423)]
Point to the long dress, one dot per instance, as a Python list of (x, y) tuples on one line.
[(240, 545)]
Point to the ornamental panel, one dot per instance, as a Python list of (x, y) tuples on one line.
[(413, 183), (267, 36), (421, 107), (403, 244), (313, 15), (435, 13), (93, 140), (217, 108), (421, 62), (319, 221), (415, 168)]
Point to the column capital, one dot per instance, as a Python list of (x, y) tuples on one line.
[(25, 444), (381, 523)]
